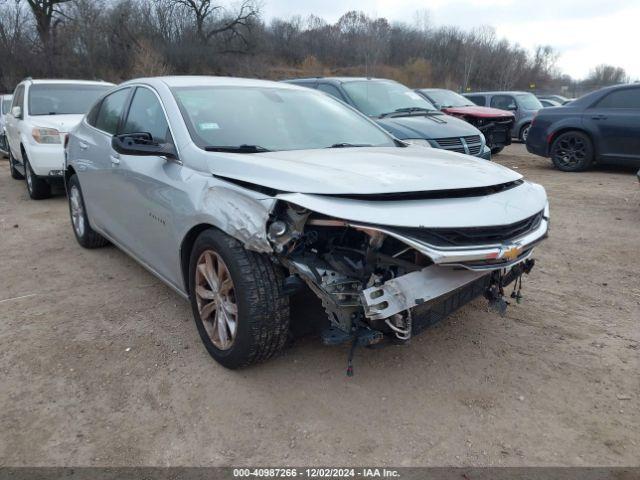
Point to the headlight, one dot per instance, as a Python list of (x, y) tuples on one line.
[(46, 135), (418, 141)]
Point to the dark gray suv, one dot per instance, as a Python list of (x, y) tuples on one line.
[(524, 106), (403, 113)]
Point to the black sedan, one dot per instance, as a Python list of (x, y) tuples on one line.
[(602, 126)]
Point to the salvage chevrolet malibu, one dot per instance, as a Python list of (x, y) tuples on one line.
[(239, 193)]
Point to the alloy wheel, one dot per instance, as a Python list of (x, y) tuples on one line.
[(215, 297), (29, 175), (525, 133), (570, 150), (77, 211)]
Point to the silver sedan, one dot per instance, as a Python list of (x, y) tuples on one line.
[(240, 193)]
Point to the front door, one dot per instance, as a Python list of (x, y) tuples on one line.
[(149, 191)]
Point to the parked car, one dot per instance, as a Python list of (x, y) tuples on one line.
[(5, 106), (549, 103), (602, 126), (403, 113), (524, 105), (42, 113), (495, 124), (238, 192), (562, 100)]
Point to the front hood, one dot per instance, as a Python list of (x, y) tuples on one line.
[(360, 170), (427, 126), (480, 112), (62, 123)]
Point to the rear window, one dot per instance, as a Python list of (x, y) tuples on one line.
[(60, 99), (528, 101)]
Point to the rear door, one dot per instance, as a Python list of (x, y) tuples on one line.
[(615, 119), (96, 159), (13, 134)]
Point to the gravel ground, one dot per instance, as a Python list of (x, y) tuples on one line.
[(100, 363)]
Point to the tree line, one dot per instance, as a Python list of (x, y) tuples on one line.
[(120, 39)]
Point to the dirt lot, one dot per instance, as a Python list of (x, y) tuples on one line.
[(100, 363)]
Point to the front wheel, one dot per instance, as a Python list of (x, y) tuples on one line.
[(524, 132), (496, 150), (572, 152), (37, 187), (240, 310)]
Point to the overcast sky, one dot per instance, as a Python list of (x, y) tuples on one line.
[(584, 32)]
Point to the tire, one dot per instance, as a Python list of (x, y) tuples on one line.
[(524, 133), (260, 325), (86, 236), (15, 174), (572, 152), (496, 150), (37, 187)]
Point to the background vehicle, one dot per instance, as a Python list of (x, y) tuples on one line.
[(524, 106), (5, 106), (562, 100), (402, 112), (549, 103), (602, 126), (495, 124), (42, 113), (241, 192)]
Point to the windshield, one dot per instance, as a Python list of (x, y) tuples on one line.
[(447, 98), (379, 97), (273, 119), (6, 104), (60, 99), (528, 101)]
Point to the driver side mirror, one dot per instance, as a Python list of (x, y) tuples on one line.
[(16, 112), (142, 144)]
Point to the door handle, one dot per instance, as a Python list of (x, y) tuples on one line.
[(115, 159), (599, 117), (83, 146)]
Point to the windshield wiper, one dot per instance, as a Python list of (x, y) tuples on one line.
[(409, 110), (237, 148), (349, 145)]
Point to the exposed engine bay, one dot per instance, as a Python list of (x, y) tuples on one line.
[(370, 279)]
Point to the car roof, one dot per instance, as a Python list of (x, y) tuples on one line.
[(337, 79), (38, 81), (205, 81), (507, 92)]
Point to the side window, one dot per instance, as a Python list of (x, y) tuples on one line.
[(477, 99), (93, 114), (146, 115), (18, 97), (627, 98), (503, 102), (331, 90), (111, 110)]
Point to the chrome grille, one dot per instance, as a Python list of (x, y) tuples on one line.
[(457, 144)]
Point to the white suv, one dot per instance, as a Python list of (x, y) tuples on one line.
[(42, 113)]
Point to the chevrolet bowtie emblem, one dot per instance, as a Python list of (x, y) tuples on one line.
[(510, 252)]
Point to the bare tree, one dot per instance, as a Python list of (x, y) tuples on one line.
[(212, 20)]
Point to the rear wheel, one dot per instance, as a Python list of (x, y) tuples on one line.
[(86, 236), (240, 310), (37, 187), (572, 152), (524, 132), (496, 150), (12, 168)]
